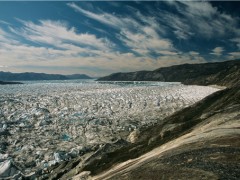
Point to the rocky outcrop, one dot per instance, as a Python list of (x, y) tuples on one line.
[(225, 73), (133, 136)]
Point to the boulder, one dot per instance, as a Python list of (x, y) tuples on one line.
[(133, 136)]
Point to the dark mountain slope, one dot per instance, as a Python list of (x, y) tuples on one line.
[(222, 73)]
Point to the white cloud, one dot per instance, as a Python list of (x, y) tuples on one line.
[(4, 23), (57, 33), (180, 27), (194, 53), (141, 34), (201, 18), (145, 38), (199, 8), (68, 49), (63, 44), (217, 51), (19, 57), (233, 55), (166, 52), (104, 18), (237, 41), (144, 43), (7, 38)]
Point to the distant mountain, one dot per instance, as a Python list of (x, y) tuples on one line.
[(29, 76), (5, 82), (225, 73), (78, 76)]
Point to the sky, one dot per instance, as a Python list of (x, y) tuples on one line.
[(100, 38)]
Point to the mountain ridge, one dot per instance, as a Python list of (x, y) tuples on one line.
[(31, 76), (224, 73)]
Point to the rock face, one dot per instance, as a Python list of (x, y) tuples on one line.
[(222, 73), (7, 76)]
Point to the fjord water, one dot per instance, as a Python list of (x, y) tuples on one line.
[(44, 122)]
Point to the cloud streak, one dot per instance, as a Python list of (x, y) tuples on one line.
[(200, 19), (57, 33), (217, 51), (4, 22), (104, 18), (142, 38), (234, 55)]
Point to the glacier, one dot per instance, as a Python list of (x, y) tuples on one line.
[(44, 123)]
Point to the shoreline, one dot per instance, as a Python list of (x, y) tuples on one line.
[(217, 86)]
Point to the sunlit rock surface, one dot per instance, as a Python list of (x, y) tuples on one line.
[(45, 123)]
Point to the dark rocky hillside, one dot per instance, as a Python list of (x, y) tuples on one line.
[(222, 73), (29, 76)]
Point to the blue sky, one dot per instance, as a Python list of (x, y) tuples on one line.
[(99, 38)]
